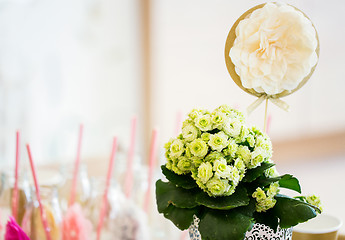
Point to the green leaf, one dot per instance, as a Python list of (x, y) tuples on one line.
[(268, 218), (290, 182), (285, 181), (254, 173), (181, 217), (292, 211), (218, 224), (184, 181), (237, 199), (167, 194)]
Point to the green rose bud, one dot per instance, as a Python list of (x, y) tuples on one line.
[(205, 137), (271, 172), (265, 144), (315, 201), (205, 172), (232, 128), (243, 135), (189, 132), (196, 161), (265, 204), (217, 187), (196, 113), (188, 154), (198, 148), (221, 169), (257, 157), (176, 148), (273, 189), (218, 141), (175, 168), (218, 118), (168, 144), (250, 140), (184, 164), (232, 147), (213, 156), (259, 194), (239, 164), (234, 175), (244, 154), (230, 191), (203, 122)]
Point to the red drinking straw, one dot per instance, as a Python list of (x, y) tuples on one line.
[(152, 163), (76, 167), (105, 196), (129, 171), (15, 192), (42, 212)]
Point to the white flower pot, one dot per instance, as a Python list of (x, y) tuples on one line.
[(258, 232)]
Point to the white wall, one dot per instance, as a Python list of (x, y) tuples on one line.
[(189, 67), (66, 62)]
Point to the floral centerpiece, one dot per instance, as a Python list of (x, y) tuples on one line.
[(219, 170), (221, 180)]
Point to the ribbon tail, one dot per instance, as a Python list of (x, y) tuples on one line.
[(255, 104), (281, 104)]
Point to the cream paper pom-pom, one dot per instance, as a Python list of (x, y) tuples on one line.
[(274, 49)]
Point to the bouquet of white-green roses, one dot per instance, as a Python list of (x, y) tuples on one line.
[(220, 171)]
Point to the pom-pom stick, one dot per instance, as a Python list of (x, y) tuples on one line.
[(76, 167), (152, 163), (105, 195), (129, 170), (42, 212), (14, 231), (16, 170)]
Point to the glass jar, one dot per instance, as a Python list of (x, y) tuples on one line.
[(123, 219), (32, 222), (83, 189), (6, 194)]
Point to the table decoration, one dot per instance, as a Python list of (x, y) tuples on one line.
[(221, 181), (271, 51), (128, 182), (106, 189), (14, 231), (42, 210), (152, 164), (75, 226)]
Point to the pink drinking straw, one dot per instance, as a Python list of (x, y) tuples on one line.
[(105, 196), (1, 227), (76, 167), (42, 212), (269, 121), (152, 163), (15, 192), (129, 171)]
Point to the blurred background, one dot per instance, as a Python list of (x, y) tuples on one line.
[(101, 62)]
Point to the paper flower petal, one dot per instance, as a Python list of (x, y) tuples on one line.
[(75, 226), (14, 231)]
